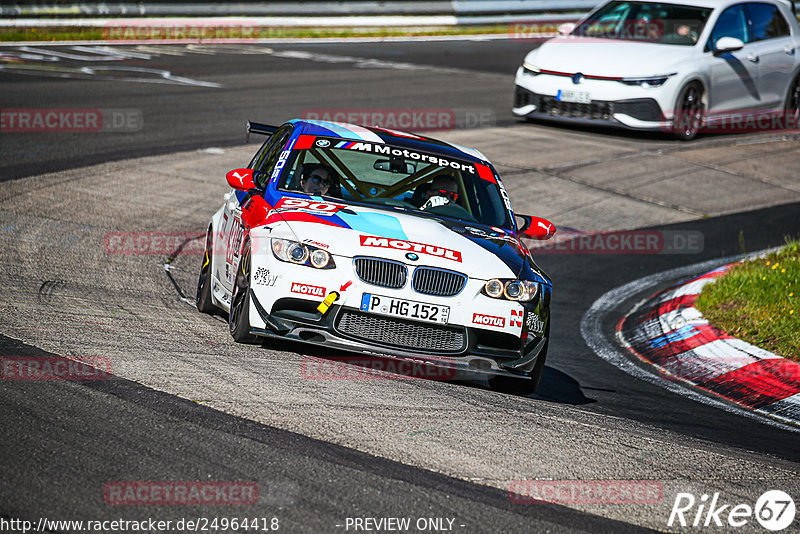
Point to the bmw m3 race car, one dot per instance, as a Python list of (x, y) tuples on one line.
[(380, 242)]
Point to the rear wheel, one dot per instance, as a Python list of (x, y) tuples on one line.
[(203, 298), (689, 112), (239, 316), (523, 386)]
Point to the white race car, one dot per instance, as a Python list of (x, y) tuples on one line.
[(380, 242), (680, 66)]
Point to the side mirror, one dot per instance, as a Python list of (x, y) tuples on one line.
[(536, 228), (566, 28), (727, 44), (241, 179)]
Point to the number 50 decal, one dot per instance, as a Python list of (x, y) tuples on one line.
[(309, 205)]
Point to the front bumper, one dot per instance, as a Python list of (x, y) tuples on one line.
[(635, 113), (464, 349)]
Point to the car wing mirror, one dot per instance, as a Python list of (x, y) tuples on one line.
[(241, 179), (566, 28), (537, 228), (727, 44)]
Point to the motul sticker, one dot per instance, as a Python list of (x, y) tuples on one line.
[(305, 289), (488, 320), (399, 244)]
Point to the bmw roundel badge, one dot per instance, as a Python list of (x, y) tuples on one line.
[(411, 256), (577, 78), (322, 143)]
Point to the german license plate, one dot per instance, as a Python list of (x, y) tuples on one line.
[(578, 97), (407, 309)]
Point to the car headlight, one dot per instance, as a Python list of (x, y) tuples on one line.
[(517, 290), (530, 70), (648, 82), (494, 288), (301, 254), (320, 258)]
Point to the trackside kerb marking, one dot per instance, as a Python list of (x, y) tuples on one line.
[(669, 332), (781, 414)]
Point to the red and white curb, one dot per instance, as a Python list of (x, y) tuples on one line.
[(668, 332)]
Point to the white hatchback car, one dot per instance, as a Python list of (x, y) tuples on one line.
[(670, 66)]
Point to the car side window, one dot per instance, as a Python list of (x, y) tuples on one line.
[(268, 156), (766, 22), (731, 23)]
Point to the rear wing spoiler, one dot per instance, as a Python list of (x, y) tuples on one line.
[(260, 129)]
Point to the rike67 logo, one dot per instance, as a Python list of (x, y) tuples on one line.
[(774, 510)]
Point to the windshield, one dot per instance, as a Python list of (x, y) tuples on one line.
[(395, 178), (646, 22)]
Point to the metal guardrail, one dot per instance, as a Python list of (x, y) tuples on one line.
[(459, 8)]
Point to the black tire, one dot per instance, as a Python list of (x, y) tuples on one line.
[(523, 386), (792, 109), (239, 315), (203, 298), (690, 112)]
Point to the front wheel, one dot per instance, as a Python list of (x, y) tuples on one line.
[(522, 386), (689, 112), (792, 110), (203, 299), (239, 316)]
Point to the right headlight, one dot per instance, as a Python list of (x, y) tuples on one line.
[(530, 70), (511, 289)]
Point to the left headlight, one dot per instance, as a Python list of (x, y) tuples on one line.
[(511, 289), (648, 82), (301, 254)]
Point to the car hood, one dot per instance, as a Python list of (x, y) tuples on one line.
[(607, 57), (478, 251)]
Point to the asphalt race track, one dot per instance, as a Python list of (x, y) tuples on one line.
[(187, 404)]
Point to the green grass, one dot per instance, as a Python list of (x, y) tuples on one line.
[(101, 34), (759, 302)]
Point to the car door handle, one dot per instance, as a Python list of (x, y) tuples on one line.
[(752, 57), (789, 50)]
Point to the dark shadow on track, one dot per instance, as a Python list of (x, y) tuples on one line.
[(557, 386), (137, 433)]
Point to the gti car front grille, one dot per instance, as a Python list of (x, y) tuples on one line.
[(402, 334), (384, 273), (596, 110), (438, 282)]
